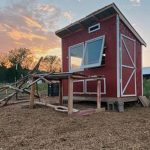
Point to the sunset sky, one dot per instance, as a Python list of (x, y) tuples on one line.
[(32, 23)]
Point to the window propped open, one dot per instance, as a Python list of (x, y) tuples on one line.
[(76, 57), (88, 55), (94, 52)]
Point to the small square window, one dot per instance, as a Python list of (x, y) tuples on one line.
[(94, 28)]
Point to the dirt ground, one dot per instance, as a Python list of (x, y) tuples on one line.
[(46, 129)]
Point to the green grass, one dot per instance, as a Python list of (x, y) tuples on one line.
[(42, 89), (146, 87)]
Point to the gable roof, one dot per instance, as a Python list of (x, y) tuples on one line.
[(94, 17)]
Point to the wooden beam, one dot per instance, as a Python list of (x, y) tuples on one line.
[(7, 98), (98, 94), (60, 93), (44, 79), (33, 82), (57, 108), (32, 95), (70, 96)]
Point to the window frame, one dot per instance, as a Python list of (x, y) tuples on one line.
[(98, 28), (80, 68), (101, 52), (84, 46)]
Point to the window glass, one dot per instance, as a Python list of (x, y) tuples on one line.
[(94, 28), (93, 52), (76, 56), (86, 55)]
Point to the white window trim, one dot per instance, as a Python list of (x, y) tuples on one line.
[(133, 63), (102, 92), (102, 49), (98, 28), (80, 68), (83, 92)]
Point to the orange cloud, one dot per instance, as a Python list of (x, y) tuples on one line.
[(17, 35), (31, 26), (44, 52), (32, 23), (2, 28)]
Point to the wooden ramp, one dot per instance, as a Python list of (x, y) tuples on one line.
[(145, 102)]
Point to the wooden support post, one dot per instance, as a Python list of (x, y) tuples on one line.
[(98, 94), (60, 93), (16, 93), (32, 95), (70, 96)]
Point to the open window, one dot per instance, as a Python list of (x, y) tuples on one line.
[(88, 55), (94, 52), (76, 57)]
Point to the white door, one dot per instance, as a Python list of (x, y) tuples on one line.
[(128, 66)]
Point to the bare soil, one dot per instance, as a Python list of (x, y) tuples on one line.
[(46, 129)]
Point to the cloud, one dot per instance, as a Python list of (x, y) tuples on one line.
[(31, 22), (32, 26), (136, 2), (68, 15), (48, 15), (46, 8), (18, 35), (2, 28)]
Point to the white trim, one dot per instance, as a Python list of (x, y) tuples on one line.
[(121, 66), (118, 54), (62, 57), (102, 49), (83, 87), (102, 92), (127, 66), (125, 87), (135, 67), (69, 58), (142, 70), (128, 52), (128, 38), (98, 28), (84, 51)]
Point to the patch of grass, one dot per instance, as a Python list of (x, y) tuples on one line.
[(146, 87), (43, 88)]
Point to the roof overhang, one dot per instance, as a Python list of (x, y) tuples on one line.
[(93, 18)]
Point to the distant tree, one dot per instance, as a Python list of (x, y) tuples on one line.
[(4, 61), (22, 57), (51, 64), (3, 70)]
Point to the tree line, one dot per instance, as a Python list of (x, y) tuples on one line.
[(18, 62)]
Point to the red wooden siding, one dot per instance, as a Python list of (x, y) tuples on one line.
[(91, 84), (109, 70), (108, 28), (78, 86)]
